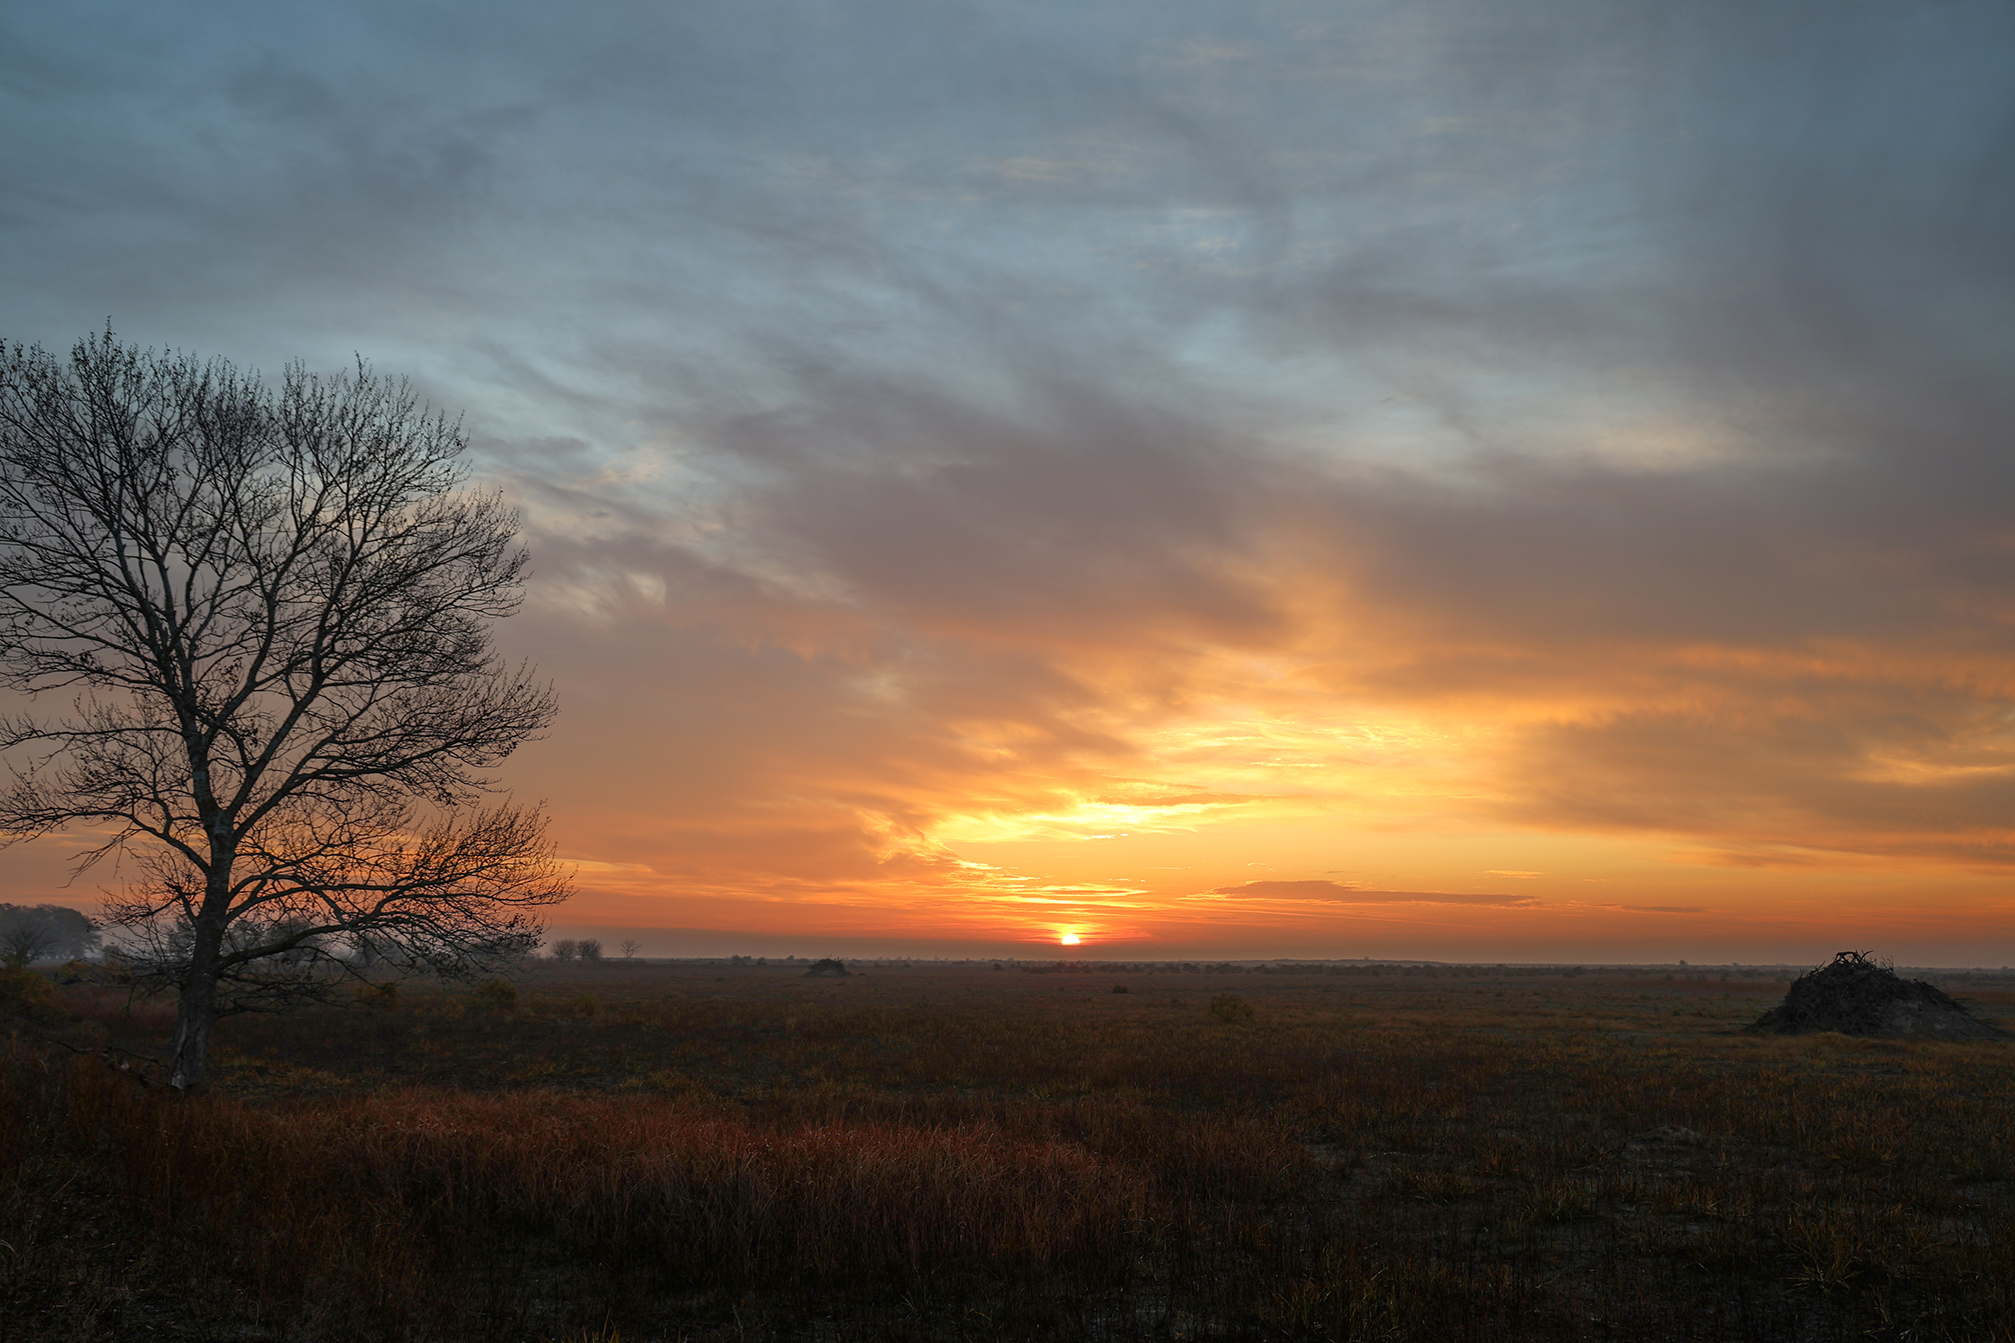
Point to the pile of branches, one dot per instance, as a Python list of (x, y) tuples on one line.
[(1858, 995)]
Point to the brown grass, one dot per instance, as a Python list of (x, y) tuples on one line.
[(944, 1152)]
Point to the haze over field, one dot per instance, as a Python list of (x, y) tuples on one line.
[(1400, 479)]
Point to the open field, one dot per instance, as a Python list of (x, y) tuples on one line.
[(710, 1151)]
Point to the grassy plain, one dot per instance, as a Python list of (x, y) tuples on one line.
[(932, 1151)]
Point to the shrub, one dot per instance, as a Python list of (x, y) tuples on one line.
[(378, 995), (23, 993), (498, 993), (1230, 1008), (74, 971)]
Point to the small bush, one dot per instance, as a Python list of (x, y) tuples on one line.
[(378, 995), (1230, 1008), (23, 993), (74, 971), (498, 993)]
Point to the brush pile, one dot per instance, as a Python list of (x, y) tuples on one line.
[(1856, 995)]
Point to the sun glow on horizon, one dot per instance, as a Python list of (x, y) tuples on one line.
[(1069, 939)]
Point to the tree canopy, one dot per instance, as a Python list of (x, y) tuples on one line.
[(30, 933)]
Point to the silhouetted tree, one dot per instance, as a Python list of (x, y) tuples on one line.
[(29, 933), (272, 608), (566, 949), (591, 949), (631, 947)]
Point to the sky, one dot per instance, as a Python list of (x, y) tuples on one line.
[(1391, 478)]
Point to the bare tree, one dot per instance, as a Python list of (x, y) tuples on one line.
[(271, 607), (23, 944), (566, 949), (631, 947), (591, 950)]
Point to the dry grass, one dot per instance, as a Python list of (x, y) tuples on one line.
[(950, 1152)]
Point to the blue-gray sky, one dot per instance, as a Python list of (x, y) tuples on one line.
[(994, 468)]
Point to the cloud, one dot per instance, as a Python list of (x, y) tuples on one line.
[(942, 543), (935, 419), (1338, 893)]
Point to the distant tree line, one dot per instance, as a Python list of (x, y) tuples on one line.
[(589, 949), (1373, 970)]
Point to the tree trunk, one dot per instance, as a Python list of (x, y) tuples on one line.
[(192, 1035), (197, 1012)]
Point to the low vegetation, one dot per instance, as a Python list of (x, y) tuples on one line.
[(944, 1152)]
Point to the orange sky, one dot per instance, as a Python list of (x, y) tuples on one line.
[(1279, 742)]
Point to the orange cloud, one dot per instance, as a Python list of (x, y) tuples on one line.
[(1337, 893)]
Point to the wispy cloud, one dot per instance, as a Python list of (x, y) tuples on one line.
[(1337, 893)]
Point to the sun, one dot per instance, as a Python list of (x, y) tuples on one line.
[(1069, 939)]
